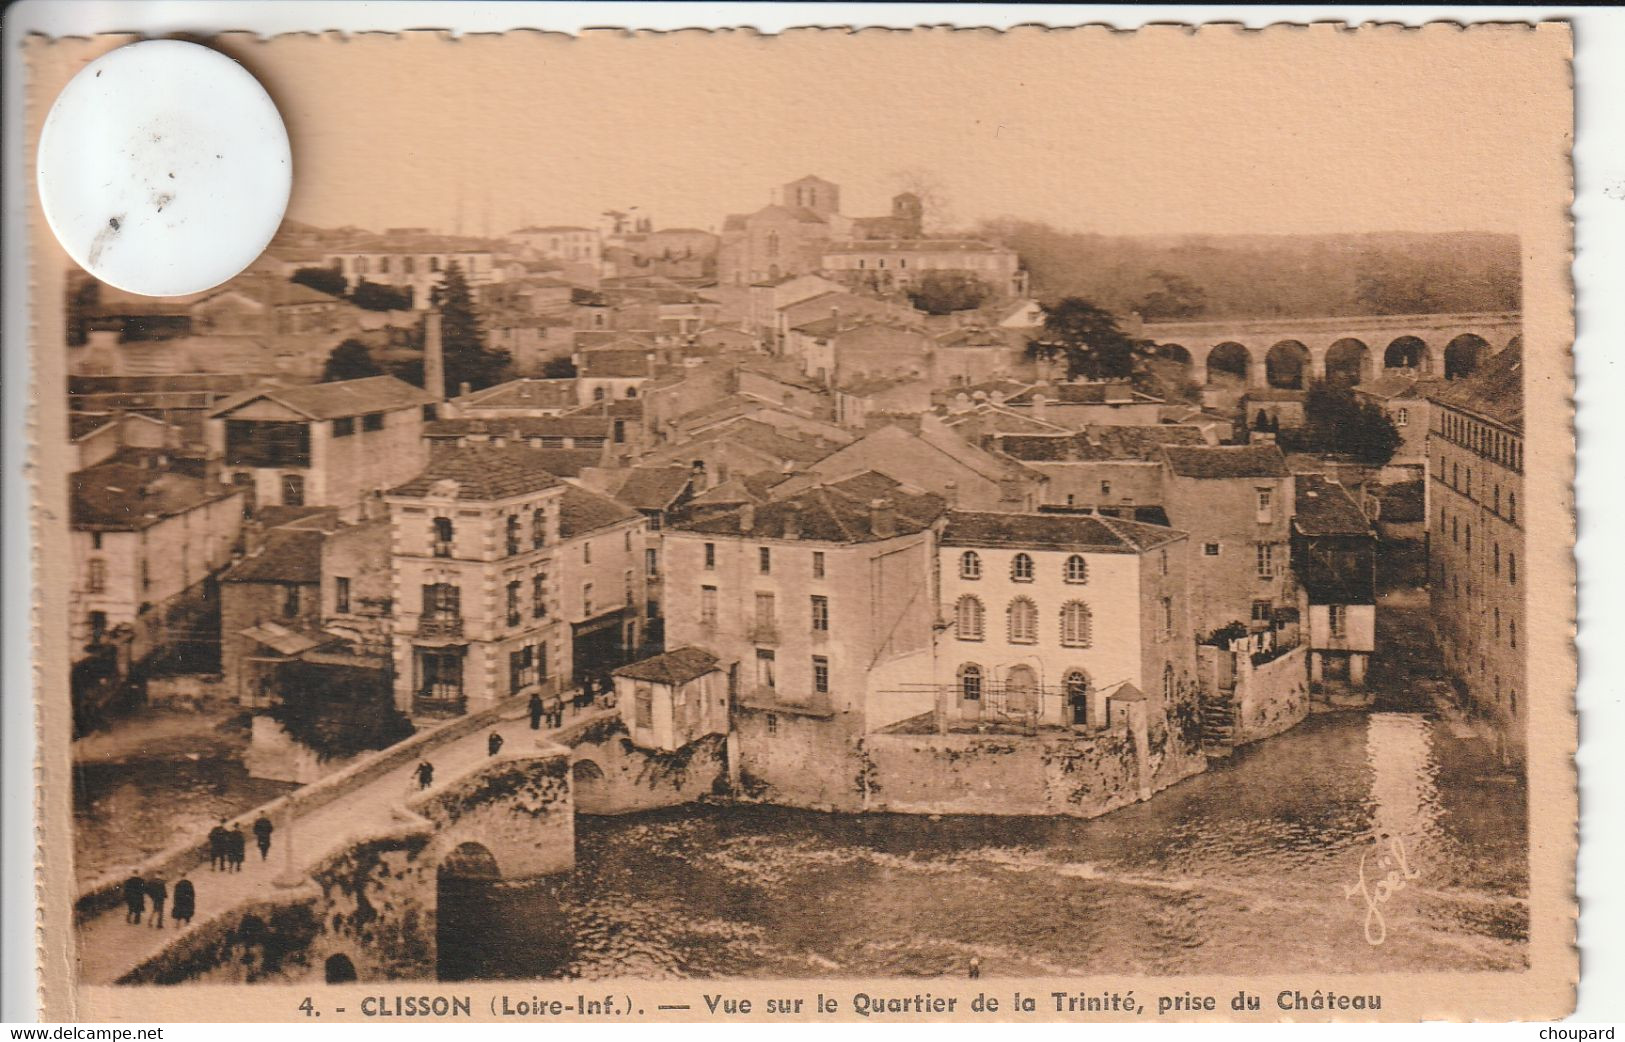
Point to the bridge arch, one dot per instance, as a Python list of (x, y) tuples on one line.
[(1464, 354), (1348, 361), (470, 860), (1230, 358), (339, 969), (1406, 352), (1286, 365)]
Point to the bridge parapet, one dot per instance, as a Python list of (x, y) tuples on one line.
[(517, 806)]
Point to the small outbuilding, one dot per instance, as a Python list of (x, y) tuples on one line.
[(673, 699)]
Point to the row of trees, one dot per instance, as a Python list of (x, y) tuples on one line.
[(369, 296)]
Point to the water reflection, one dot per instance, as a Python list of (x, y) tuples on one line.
[(1239, 869)]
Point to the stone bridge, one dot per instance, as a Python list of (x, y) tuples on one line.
[(361, 860), (508, 817), (1288, 352)]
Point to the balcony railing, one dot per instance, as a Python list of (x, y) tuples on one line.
[(439, 627)]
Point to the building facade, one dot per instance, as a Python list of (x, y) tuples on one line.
[(1476, 539), (1043, 616)]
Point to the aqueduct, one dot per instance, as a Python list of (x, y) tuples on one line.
[(1290, 352)]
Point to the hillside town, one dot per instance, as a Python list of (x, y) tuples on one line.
[(838, 496)]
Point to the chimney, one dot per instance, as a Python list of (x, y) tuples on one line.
[(950, 493), (747, 518), (882, 518), (464, 388), (1039, 401), (434, 355)]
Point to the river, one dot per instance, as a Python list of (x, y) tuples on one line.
[(1243, 868)]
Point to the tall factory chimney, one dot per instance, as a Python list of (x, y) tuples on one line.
[(434, 355)]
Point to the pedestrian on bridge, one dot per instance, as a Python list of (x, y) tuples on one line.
[(262, 834), (185, 903), (536, 710), (219, 846), (425, 774), (236, 846), (493, 744), (157, 894), (135, 898), (555, 712)]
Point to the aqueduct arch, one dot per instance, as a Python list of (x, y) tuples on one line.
[(1286, 365), (1242, 348)]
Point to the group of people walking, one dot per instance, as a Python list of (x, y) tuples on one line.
[(228, 848), (142, 896)]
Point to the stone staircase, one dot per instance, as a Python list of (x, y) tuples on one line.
[(1218, 725)]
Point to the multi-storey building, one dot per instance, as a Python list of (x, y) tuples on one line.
[(142, 537), (1475, 538), (884, 265), (477, 591), (1236, 503), (1045, 616), (818, 606), (328, 444), (415, 261), (561, 242), (1334, 557)]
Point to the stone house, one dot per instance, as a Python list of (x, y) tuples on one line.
[(672, 699), (1087, 403), (1043, 616), (330, 444), (1334, 556), (1236, 504)]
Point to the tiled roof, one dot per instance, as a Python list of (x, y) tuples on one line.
[(1099, 442), (914, 246), (674, 667), (653, 488), (1389, 385), (519, 394), (613, 362), (1086, 532), (485, 472), (581, 512), (1325, 507), (520, 427), (1098, 393), (749, 488), (340, 398), (840, 512), (1403, 502), (1494, 393), (120, 497), (290, 555), (1227, 461)]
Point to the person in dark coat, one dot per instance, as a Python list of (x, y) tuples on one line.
[(535, 711), (425, 774), (236, 846), (262, 835), (157, 894), (185, 902), (218, 847), (493, 744), (135, 898)]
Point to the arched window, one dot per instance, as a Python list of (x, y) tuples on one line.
[(1023, 621), (969, 618), (1021, 568), (1077, 569), (1167, 684), (970, 682), (442, 536), (1076, 686), (1077, 625), (970, 565), (631, 392), (598, 393)]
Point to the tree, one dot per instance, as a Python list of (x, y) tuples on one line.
[(350, 360), (1176, 297), (561, 368), (467, 359), (323, 280), (373, 296), (1339, 421), (944, 292), (1094, 346)]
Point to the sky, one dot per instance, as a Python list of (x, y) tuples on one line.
[(1289, 131)]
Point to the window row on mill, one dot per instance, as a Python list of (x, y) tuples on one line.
[(1022, 569), (1021, 621)]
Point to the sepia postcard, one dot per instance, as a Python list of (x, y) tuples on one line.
[(843, 526)]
